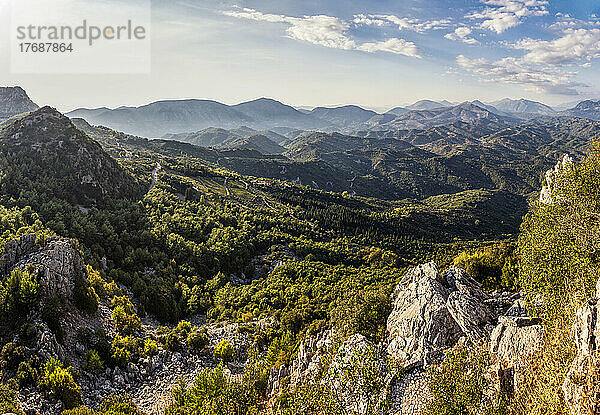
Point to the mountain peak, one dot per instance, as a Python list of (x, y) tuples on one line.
[(14, 101), (51, 146)]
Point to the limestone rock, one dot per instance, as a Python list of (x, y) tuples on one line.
[(420, 322), (581, 387), (431, 312), (546, 196)]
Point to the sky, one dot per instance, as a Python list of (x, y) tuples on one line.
[(374, 53)]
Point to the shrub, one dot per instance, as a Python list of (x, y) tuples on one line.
[(494, 266), (52, 313), (18, 293), (213, 393), (124, 315), (60, 382), (197, 340), (97, 282), (26, 374), (8, 401), (11, 356), (459, 385), (111, 405), (93, 363), (150, 347), (224, 350)]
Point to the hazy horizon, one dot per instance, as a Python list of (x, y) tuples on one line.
[(377, 55)]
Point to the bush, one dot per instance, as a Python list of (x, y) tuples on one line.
[(111, 405), (18, 294), (224, 351), (85, 297), (213, 393), (459, 385), (495, 266), (197, 340), (26, 374), (52, 314), (8, 401), (150, 347), (11, 356), (124, 315), (93, 363), (60, 382)]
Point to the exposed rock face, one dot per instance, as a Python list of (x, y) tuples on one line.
[(14, 101), (58, 264), (356, 370), (307, 364), (514, 341), (431, 312), (550, 179), (581, 387)]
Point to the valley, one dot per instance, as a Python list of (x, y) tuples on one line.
[(189, 255)]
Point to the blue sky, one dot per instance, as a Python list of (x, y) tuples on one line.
[(377, 54)]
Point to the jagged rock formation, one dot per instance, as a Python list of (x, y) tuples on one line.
[(14, 101), (58, 263), (550, 179), (581, 387), (432, 311), (514, 341)]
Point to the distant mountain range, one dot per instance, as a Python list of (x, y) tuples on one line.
[(188, 120)]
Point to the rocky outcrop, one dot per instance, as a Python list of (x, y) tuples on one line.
[(356, 371), (551, 177), (432, 311), (514, 341), (308, 363), (581, 387), (58, 264), (14, 101)]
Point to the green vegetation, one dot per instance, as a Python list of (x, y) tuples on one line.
[(59, 381), (111, 405), (559, 262), (8, 401), (224, 351), (459, 385)]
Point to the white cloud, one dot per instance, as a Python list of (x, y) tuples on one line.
[(321, 30), (398, 46), (574, 45), (462, 34), (504, 14), (328, 31), (407, 23), (519, 72)]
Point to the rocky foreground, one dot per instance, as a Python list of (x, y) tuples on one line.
[(431, 313)]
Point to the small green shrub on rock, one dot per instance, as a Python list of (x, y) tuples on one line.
[(60, 382), (224, 351)]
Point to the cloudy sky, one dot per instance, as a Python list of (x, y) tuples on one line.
[(374, 53)]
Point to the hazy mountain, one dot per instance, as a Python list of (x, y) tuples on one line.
[(219, 137), (14, 101), (48, 154), (268, 113), (522, 106), (585, 109), (162, 117), (349, 116), (259, 142), (465, 112), (184, 116)]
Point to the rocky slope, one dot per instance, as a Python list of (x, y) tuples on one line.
[(45, 152), (14, 101)]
